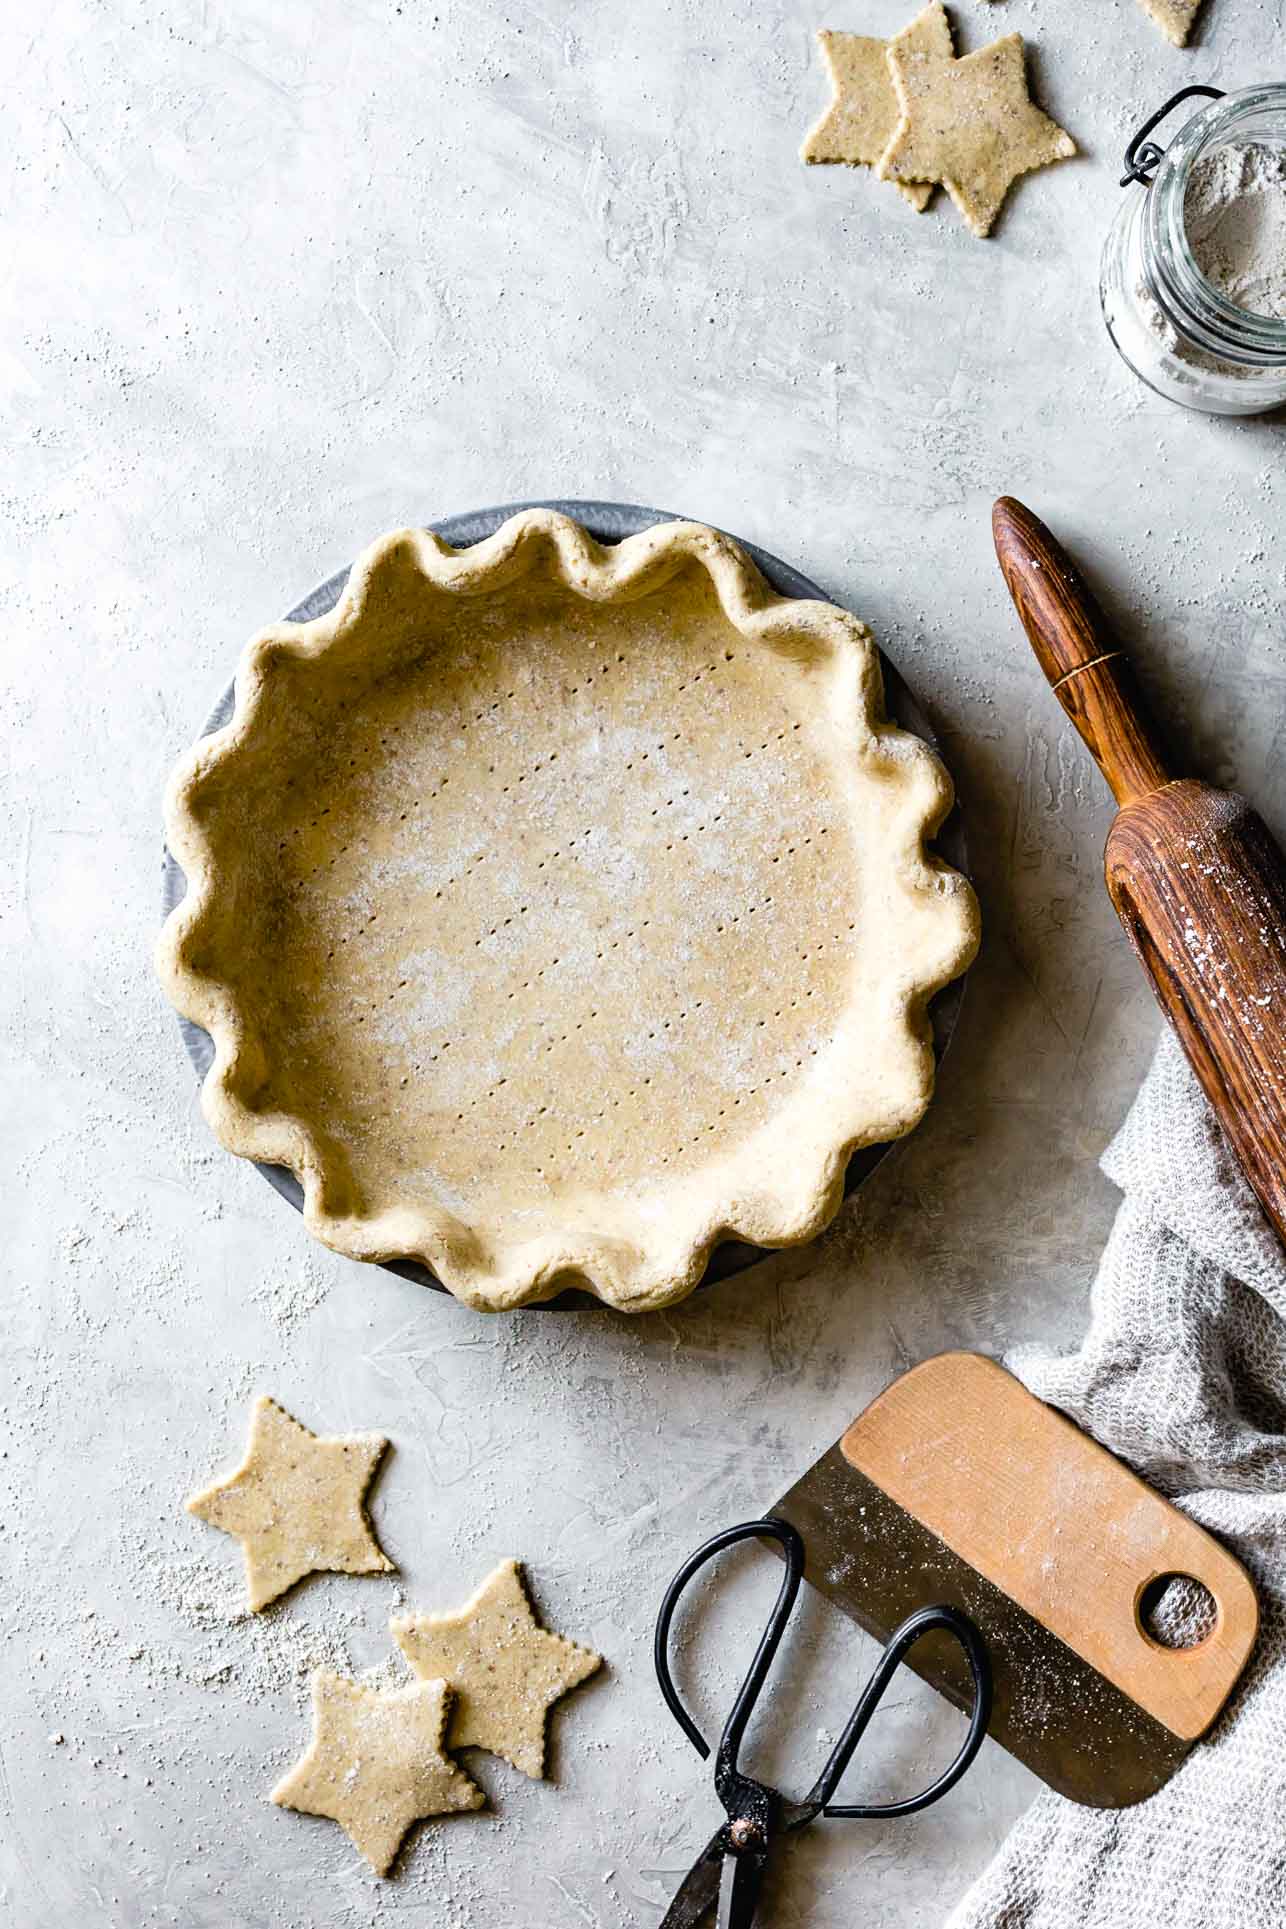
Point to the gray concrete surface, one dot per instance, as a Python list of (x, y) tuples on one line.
[(278, 276)]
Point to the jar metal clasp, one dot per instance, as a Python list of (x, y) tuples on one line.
[(1142, 155)]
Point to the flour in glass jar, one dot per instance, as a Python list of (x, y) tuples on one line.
[(1234, 212)]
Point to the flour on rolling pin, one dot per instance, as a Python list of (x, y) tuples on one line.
[(1206, 946), (1239, 949)]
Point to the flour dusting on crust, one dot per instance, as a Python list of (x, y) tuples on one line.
[(558, 910)]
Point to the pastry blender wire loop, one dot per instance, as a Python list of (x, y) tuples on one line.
[(1142, 155), (728, 1873)]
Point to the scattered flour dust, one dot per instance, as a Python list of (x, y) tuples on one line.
[(293, 1295), (266, 1659), (254, 1654), (1234, 211), (218, 1643)]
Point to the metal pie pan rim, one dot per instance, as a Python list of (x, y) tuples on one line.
[(607, 522)]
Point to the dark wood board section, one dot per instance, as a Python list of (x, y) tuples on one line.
[(1197, 878)]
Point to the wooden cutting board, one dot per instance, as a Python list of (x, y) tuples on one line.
[(958, 1486)]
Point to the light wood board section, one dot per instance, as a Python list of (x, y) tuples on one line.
[(1059, 1525)]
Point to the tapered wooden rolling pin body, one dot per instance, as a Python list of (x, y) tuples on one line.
[(1196, 877)]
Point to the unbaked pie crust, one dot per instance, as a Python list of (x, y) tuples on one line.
[(557, 911)]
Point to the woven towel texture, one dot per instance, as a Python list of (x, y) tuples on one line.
[(1183, 1374)]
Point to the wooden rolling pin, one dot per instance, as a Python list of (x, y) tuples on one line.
[(1196, 877)]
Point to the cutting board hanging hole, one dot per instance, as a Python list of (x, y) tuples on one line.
[(1177, 1611)]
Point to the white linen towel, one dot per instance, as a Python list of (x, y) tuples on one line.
[(1182, 1373)]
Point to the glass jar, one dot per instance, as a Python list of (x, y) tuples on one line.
[(1170, 324)]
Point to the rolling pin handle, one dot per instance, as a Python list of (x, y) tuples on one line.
[(1075, 647)]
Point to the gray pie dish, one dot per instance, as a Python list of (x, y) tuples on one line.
[(607, 522)]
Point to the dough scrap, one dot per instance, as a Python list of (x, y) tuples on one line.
[(863, 115), (558, 910), (376, 1763), (507, 1671), (969, 123), (1174, 17), (296, 1504)]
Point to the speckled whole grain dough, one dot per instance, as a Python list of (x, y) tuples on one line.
[(376, 1763), (1174, 17), (297, 1504), (505, 1669), (558, 910), (970, 123), (863, 112)]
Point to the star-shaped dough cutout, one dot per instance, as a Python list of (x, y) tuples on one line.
[(506, 1670), (863, 115), (295, 1504), (376, 1763), (1174, 17), (969, 123)]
